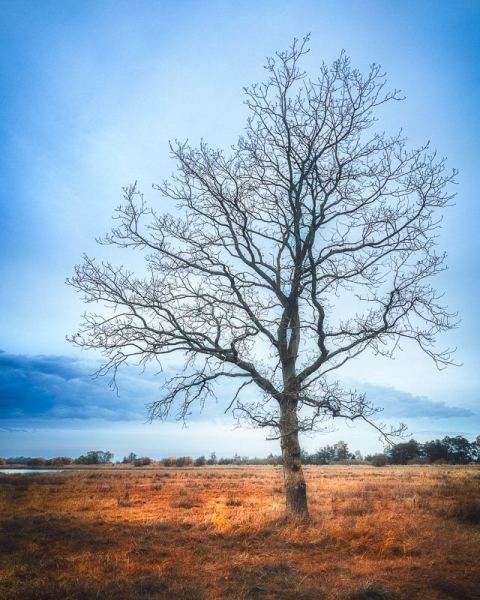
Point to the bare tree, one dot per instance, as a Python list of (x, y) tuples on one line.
[(311, 242)]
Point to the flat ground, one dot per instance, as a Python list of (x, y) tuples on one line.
[(214, 533)]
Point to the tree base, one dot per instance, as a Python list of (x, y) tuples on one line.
[(296, 501)]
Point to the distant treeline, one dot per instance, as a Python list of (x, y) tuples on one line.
[(95, 457), (452, 450), (449, 450)]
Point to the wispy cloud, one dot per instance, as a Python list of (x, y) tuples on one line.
[(398, 404)]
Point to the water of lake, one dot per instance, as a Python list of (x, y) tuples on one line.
[(14, 471)]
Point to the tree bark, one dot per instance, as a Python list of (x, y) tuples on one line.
[(295, 486)]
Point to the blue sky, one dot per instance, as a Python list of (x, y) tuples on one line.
[(91, 92)]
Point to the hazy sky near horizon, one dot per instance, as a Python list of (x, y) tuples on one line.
[(92, 91)]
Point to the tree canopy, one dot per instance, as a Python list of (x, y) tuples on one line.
[(310, 242)]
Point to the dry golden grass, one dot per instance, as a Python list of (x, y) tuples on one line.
[(219, 533)]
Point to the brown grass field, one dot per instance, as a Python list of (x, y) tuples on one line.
[(216, 533)]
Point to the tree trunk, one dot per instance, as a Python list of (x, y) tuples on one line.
[(295, 486)]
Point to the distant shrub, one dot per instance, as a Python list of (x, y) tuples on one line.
[(184, 461), (95, 457), (142, 461), (200, 461), (36, 462), (379, 460), (213, 459), (59, 461), (418, 460), (3, 461), (171, 461), (130, 458)]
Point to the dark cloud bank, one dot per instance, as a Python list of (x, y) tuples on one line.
[(60, 387)]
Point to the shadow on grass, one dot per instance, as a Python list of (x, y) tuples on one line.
[(273, 581), (373, 592), (150, 587), (21, 532)]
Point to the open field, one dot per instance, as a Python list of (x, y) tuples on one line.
[(218, 533)]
